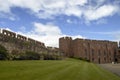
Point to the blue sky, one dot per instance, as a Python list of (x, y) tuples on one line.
[(48, 20)]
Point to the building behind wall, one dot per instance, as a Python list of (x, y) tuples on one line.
[(97, 51)]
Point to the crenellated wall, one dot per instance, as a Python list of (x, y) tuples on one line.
[(98, 51), (12, 41)]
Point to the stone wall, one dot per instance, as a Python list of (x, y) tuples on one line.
[(98, 51), (12, 41)]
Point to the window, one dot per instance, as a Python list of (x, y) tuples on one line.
[(110, 59), (88, 44), (85, 53), (99, 53), (8, 34), (104, 53), (92, 55), (5, 33), (92, 59), (92, 52), (104, 59)]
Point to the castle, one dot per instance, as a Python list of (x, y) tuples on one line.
[(12, 41), (97, 51)]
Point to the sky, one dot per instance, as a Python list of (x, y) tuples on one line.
[(48, 20)]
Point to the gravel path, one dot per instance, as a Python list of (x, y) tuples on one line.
[(114, 68)]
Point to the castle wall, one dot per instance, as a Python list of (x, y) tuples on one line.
[(12, 41), (94, 50)]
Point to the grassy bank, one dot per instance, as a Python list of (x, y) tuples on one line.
[(69, 69)]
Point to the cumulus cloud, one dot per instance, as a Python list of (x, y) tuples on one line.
[(43, 8), (48, 29), (88, 9), (47, 33), (103, 11)]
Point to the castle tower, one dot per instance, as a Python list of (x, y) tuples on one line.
[(65, 46)]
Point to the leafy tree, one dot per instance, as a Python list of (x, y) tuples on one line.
[(3, 53), (14, 55), (30, 55)]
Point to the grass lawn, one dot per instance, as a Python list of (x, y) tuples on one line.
[(70, 69)]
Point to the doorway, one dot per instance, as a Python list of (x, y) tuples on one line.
[(99, 60)]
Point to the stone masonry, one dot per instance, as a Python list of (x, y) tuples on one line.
[(12, 41), (97, 51)]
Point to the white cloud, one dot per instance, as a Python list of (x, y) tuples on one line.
[(44, 8), (5, 6), (78, 36), (47, 33), (103, 11), (47, 29), (75, 11), (51, 8)]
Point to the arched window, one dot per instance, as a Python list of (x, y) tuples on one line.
[(99, 53), (104, 53), (5, 33), (92, 52), (86, 53)]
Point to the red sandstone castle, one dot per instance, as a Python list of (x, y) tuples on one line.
[(97, 51)]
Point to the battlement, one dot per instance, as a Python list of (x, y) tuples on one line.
[(89, 40), (8, 33), (98, 51), (66, 38), (19, 37), (13, 41)]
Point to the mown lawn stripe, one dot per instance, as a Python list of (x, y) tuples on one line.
[(69, 69)]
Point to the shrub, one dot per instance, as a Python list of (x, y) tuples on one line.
[(30, 55), (14, 55), (3, 53)]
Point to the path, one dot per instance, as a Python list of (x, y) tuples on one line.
[(115, 68)]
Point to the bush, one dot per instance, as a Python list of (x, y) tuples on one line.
[(52, 56), (13, 55), (3, 53), (29, 55)]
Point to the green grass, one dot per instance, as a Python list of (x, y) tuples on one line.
[(69, 69)]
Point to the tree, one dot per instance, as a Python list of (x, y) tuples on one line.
[(30, 55), (14, 55), (3, 53)]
